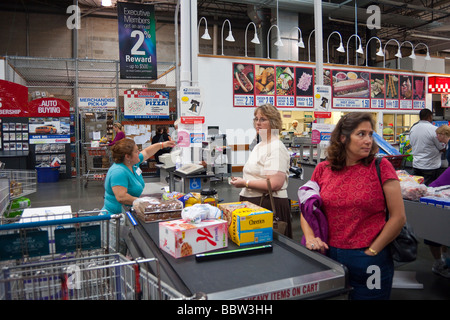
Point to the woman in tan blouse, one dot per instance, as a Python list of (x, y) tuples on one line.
[(268, 160)]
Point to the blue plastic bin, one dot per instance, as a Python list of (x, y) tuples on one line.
[(47, 174)]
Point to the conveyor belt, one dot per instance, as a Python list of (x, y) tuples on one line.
[(289, 271)]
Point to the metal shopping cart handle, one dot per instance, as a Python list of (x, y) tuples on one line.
[(36, 224)]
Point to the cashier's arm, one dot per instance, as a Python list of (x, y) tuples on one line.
[(154, 148), (277, 179), (121, 194)]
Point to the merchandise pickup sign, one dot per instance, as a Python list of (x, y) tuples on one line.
[(289, 293)]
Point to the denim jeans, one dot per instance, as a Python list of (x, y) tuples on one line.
[(369, 276)]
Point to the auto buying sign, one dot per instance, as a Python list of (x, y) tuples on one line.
[(137, 42), (143, 104), (49, 121)]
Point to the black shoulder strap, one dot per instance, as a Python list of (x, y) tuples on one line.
[(377, 165)]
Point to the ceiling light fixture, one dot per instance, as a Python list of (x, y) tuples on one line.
[(340, 48), (379, 52)]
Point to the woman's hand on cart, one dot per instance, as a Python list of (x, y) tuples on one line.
[(316, 244)]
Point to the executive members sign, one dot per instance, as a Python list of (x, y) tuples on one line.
[(137, 42)]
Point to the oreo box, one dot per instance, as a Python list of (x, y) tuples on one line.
[(181, 239)]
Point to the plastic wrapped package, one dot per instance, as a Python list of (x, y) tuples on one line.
[(405, 176), (411, 190), (152, 209), (199, 212)]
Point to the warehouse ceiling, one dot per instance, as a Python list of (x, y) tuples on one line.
[(426, 21)]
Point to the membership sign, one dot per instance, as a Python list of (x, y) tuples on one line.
[(137, 42)]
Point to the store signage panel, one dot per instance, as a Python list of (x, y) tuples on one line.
[(13, 99), (293, 87), (95, 102), (137, 42), (49, 107), (44, 130), (191, 101), (322, 98), (143, 104)]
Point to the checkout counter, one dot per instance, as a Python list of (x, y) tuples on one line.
[(303, 275)]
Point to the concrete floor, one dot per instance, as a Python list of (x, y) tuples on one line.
[(74, 192)]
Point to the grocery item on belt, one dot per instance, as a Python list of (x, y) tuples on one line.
[(152, 209), (199, 212), (181, 239)]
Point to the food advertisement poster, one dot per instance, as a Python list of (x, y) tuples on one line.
[(353, 85), (137, 42), (286, 86), (264, 84), (143, 104), (243, 76), (418, 92), (304, 87)]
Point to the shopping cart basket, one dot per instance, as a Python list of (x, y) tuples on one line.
[(103, 277), (74, 265), (398, 161), (98, 161)]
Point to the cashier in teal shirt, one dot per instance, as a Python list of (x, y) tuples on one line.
[(124, 182)]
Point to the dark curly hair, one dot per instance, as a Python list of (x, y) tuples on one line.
[(336, 152)]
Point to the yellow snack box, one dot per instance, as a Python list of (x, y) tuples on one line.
[(250, 224)]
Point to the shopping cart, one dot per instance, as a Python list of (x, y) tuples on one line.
[(398, 161), (97, 162), (104, 277), (15, 184), (77, 268)]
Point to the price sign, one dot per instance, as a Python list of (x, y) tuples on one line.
[(137, 42)]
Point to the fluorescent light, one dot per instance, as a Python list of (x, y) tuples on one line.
[(106, 3)]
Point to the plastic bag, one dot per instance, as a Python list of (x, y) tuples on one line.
[(412, 190), (199, 212)]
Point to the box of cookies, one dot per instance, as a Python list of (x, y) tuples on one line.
[(181, 239)]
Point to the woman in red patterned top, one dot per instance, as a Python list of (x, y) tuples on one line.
[(354, 205)]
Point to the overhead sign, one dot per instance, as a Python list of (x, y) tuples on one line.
[(97, 102), (143, 104), (137, 42), (13, 99), (48, 107)]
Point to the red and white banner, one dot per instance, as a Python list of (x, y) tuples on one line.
[(48, 107), (13, 99)]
